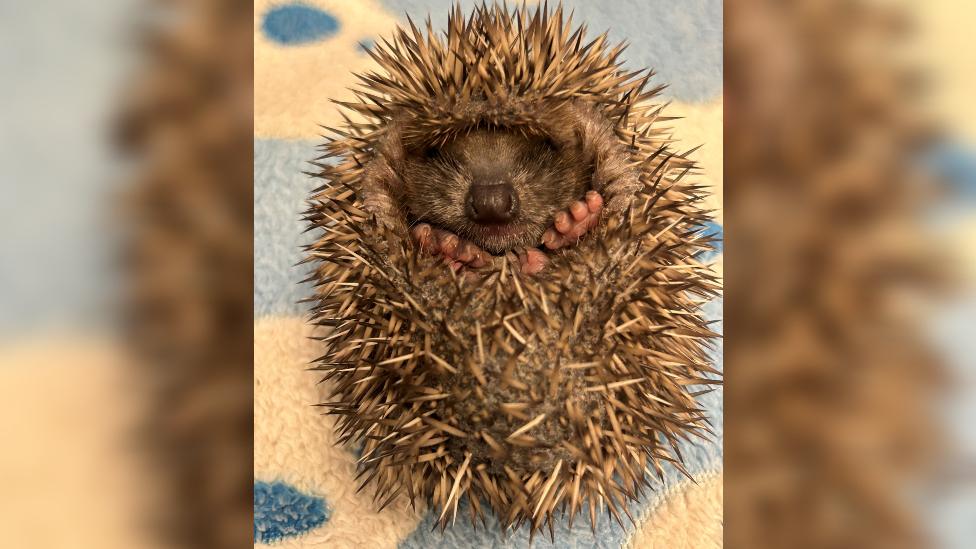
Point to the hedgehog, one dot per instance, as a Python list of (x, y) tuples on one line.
[(509, 265)]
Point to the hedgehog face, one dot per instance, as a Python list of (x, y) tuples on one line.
[(496, 188)]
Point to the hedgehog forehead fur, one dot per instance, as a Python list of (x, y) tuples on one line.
[(530, 396)]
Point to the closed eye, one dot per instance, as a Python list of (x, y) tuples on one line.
[(432, 152)]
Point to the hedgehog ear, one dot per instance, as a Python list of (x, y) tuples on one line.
[(612, 174), (381, 188), (390, 146)]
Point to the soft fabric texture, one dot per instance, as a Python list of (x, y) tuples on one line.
[(669, 526), (294, 443), (295, 446)]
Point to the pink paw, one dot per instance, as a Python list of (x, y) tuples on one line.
[(570, 225), (532, 261), (456, 251)]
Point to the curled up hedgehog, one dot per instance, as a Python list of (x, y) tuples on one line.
[(508, 267)]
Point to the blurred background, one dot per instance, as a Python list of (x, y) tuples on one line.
[(849, 274), (125, 333), (126, 273)]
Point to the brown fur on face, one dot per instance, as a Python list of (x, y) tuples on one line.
[(546, 177)]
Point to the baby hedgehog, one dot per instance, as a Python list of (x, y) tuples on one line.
[(508, 273)]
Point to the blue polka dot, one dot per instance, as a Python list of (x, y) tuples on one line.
[(297, 24), (366, 44), (956, 164), (281, 511)]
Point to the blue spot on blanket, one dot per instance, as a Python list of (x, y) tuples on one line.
[(297, 24), (956, 163), (282, 511)]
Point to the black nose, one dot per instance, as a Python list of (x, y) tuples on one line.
[(491, 203)]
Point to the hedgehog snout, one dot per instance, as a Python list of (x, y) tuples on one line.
[(492, 202)]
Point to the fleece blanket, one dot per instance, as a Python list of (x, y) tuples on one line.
[(305, 492)]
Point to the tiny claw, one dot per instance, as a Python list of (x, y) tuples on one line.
[(532, 261), (421, 233), (457, 252), (480, 259), (549, 239), (449, 245), (562, 222)]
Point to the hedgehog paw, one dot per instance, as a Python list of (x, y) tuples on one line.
[(456, 251), (571, 224), (532, 261)]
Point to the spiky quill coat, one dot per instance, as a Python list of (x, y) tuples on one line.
[(530, 395)]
